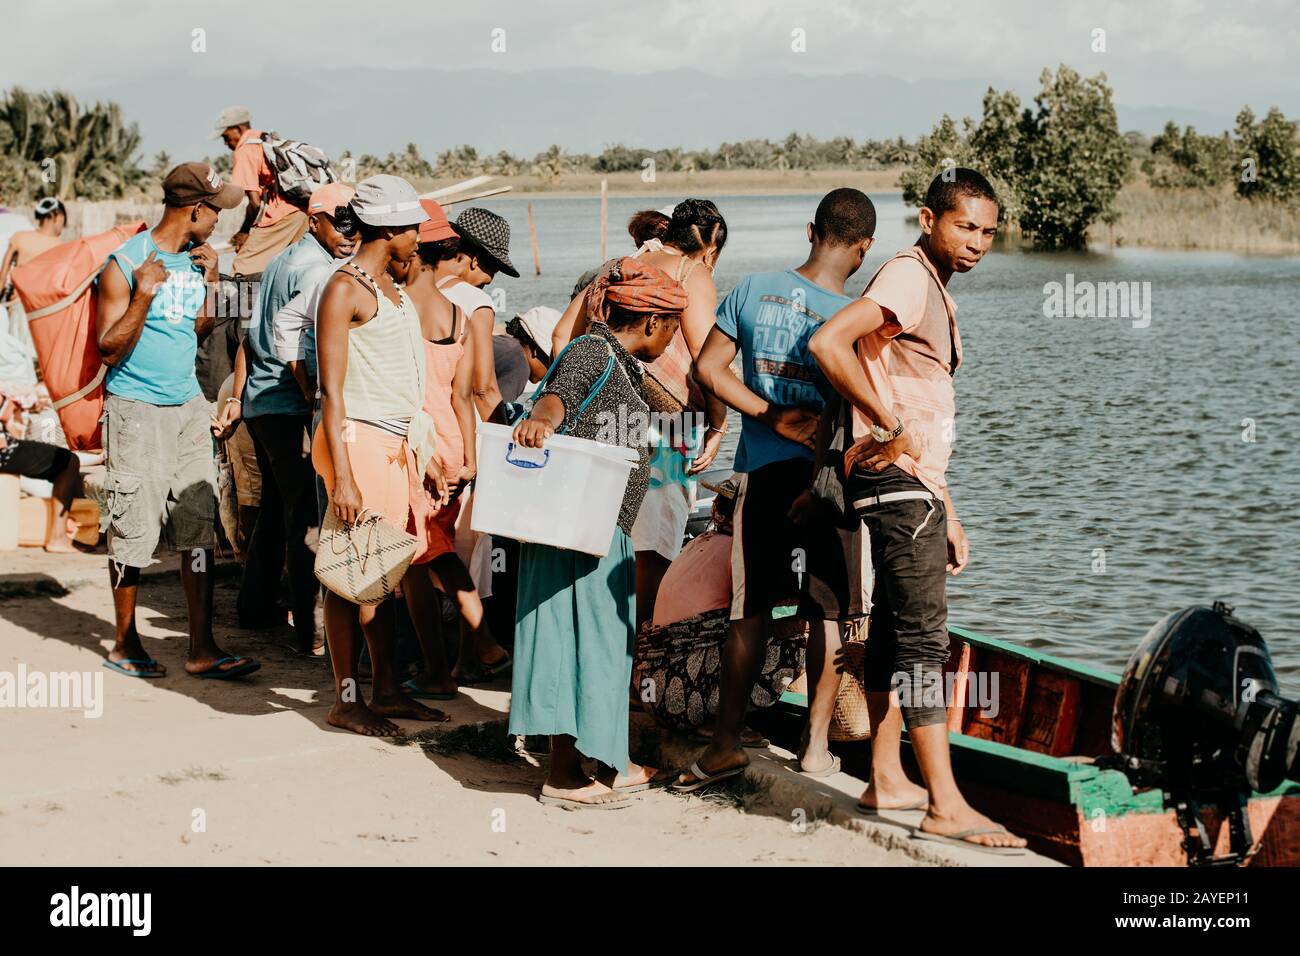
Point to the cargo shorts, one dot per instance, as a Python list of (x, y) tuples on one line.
[(161, 476)]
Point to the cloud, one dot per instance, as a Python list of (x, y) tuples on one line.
[(1178, 52)]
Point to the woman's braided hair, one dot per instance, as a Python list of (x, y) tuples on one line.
[(695, 225)]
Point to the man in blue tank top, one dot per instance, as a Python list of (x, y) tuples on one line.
[(152, 309)]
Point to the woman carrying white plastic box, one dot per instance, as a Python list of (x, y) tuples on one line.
[(575, 619)]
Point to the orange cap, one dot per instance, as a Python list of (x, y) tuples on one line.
[(436, 227), (329, 197)]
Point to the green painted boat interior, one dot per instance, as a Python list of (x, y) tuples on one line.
[(1093, 791)]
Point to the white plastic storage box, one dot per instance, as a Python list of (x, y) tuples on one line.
[(566, 494)]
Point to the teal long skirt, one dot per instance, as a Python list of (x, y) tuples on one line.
[(575, 632)]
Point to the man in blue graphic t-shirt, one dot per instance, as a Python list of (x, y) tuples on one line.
[(769, 318), (157, 444)]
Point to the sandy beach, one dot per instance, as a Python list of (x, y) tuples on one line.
[(181, 771)]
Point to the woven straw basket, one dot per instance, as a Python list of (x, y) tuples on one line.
[(364, 562), (849, 720)]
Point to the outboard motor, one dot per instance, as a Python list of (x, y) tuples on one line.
[(1198, 714)]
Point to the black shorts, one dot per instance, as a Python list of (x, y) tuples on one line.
[(825, 570), (33, 459)]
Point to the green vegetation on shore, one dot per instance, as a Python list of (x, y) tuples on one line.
[(1062, 166)]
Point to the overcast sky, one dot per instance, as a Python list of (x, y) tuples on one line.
[(1159, 52)]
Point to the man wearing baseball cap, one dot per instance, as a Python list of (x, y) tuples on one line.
[(271, 223), (160, 473), (272, 403)]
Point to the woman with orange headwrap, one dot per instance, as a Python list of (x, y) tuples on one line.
[(574, 622)]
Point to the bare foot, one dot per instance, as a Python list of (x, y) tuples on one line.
[(593, 794), (60, 537), (360, 719), (495, 657), (968, 819), (400, 705), (899, 794)]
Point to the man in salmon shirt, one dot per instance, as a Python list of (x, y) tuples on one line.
[(893, 353), (271, 223)]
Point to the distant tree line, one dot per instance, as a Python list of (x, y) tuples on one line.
[(796, 152), (1057, 164)]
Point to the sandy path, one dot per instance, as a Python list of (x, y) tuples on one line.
[(271, 783)]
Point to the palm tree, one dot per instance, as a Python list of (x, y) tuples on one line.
[(552, 164), (67, 149)]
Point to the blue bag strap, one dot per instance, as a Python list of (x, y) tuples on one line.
[(595, 389), (591, 396)]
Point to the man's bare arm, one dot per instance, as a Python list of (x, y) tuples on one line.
[(713, 372), (121, 312), (833, 346)]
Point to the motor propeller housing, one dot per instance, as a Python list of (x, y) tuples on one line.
[(1199, 714)]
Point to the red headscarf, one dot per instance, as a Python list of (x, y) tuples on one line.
[(634, 286)]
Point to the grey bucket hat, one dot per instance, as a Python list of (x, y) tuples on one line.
[(230, 116), (490, 233), (388, 201)]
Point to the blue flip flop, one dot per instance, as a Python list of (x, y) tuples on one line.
[(411, 688), (117, 666), (216, 673)]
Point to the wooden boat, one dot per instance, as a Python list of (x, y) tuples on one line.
[(1031, 764)]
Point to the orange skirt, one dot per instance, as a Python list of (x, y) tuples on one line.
[(383, 466)]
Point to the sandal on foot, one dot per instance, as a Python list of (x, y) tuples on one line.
[(877, 811), (834, 768), (570, 804), (661, 779), (961, 838), (147, 668), (703, 779), (493, 671), (216, 673)]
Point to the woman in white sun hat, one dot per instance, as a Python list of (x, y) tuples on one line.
[(374, 445)]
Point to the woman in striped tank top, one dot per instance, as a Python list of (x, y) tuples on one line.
[(374, 447)]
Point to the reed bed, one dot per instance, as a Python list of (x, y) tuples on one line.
[(1200, 219)]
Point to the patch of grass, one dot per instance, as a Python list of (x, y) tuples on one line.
[(735, 793), (1200, 219), (486, 741)]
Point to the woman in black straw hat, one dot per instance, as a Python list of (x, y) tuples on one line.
[(462, 266)]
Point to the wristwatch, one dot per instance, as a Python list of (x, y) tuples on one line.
[(885, 437)]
